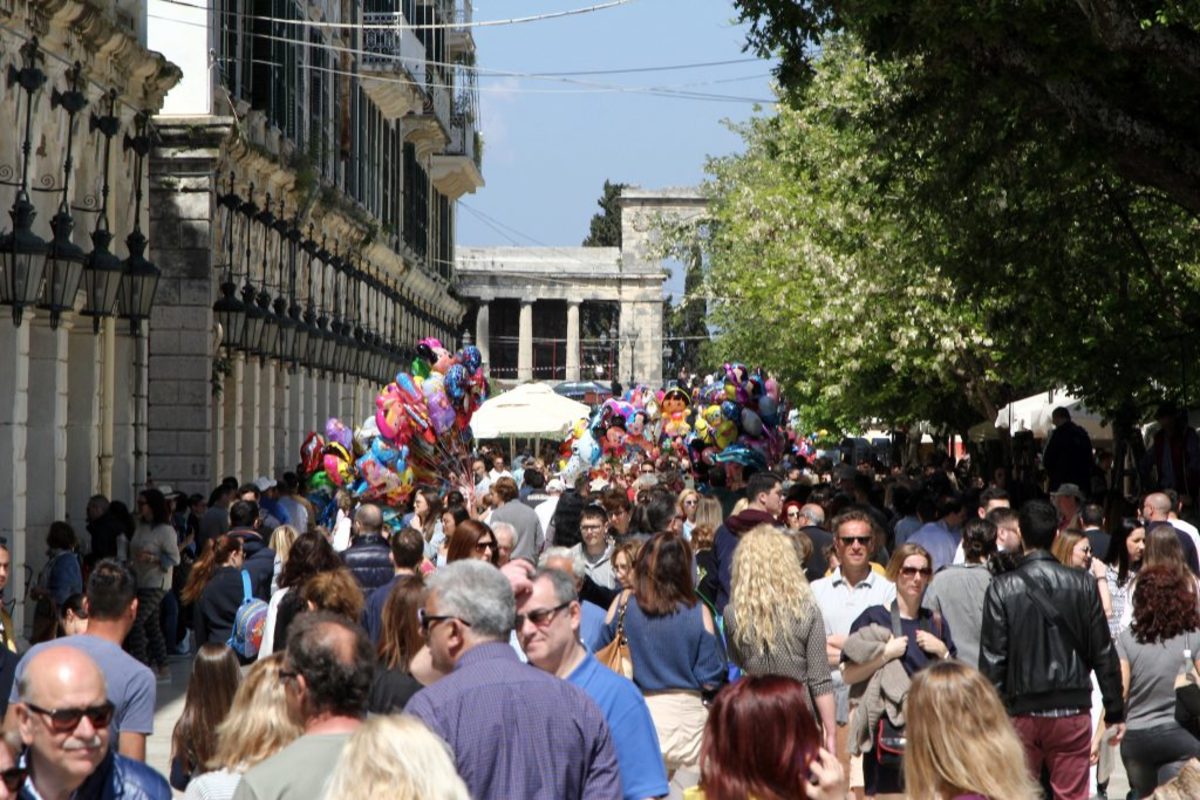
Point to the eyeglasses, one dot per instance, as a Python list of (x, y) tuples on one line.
[(484, 546), (426, 621), (540, 617), (14, 778), (65, 720), (912, 572), (849, 540), (592, 528), (793, 515)]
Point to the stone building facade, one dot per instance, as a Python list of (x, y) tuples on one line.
[(357, 124), (73, 377)]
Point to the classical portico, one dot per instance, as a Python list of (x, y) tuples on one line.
[(530, 302), (544, 289)]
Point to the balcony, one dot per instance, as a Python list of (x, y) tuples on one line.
[(460, 40), (456, 171), (393, 64)]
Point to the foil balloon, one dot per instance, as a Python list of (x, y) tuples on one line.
[(457, 383), (731, 411), (338, 463), (751, 422), (768, 409), (311, 452), (471, 358), (336, 431)]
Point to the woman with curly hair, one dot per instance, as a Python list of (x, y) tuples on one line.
[(1165, 625), (960, 741), (773, 624)]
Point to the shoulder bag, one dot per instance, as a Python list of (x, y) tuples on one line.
[(890, 739), (615, 655)]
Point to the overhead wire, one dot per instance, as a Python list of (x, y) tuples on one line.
[(457, 25), (586, 87)]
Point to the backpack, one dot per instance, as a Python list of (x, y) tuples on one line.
[(249, 623)]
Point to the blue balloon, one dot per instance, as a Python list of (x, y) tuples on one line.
[(731, 411)]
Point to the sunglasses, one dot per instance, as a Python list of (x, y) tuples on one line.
[(65, 720), (849, 540), (483, 546), (426, 621), (793, 515), (540, 617), (912, 572), (14, 778)]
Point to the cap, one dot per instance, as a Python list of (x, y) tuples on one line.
[(264, 483), (556, 485), (1069, 489)]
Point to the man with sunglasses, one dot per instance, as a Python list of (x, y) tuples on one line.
[(548, 625), (112, 608), (64, 717), (843, 596), (514, 730)]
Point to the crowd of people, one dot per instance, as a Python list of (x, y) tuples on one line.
[(651, 631)]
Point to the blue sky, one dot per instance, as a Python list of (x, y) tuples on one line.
[(547, 153)]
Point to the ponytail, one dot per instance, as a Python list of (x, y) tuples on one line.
[(217, 553)]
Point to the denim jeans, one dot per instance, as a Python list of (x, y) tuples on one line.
[(1154, 756)]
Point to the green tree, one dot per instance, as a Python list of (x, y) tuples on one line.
[(908, 271), (605, 227), (1117, 79)]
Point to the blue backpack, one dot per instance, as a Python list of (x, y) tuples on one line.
[(249, 623)]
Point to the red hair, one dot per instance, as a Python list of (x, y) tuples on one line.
[(735, 764)]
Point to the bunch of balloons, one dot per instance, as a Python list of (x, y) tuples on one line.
[(419, 435), (739, 421)]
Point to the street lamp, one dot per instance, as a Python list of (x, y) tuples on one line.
[(102, 270), (251, 338), (228, 310), (139, 282), (23, 252), (65, 260)]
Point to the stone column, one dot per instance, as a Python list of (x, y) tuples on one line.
[(349, 401), (266, 419), (320, 404), (483, 333), (232, 429), (287, 449), (124, 468), (299, 411), (14, 416), (83, 418), (525, 343), (572, 340), (248, 468), (46, 455)]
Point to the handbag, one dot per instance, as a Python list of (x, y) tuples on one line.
[(615, 655), (890, 738), (1187, 699)]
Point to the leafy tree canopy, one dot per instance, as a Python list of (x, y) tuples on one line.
[(1118, 79)]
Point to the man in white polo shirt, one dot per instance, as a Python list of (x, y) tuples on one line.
[(845, 594)]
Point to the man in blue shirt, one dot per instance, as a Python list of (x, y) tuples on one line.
[(548, 626), (514, 730)]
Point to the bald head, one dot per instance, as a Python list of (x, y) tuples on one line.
[(1156, 507), (66, 747), (58, 670), (369, 519), (813, 513)]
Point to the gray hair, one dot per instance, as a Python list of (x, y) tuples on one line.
[(497, 527), (578, 563), (564, 585), (813, 513), (477, 593)]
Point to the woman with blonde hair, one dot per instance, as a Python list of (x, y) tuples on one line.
[(395, 757), (686, 508), (960, 741), (282, 539), (773, 624), (260, 723)]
